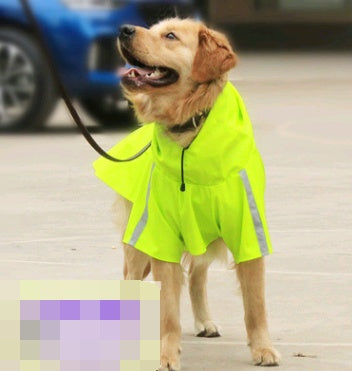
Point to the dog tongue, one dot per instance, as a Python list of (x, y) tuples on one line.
[(124, 71)]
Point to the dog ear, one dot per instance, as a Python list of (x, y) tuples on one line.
[(214, 56)]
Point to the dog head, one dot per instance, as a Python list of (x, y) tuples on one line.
[(178, 67)]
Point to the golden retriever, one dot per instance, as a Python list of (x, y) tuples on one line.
[(194, 64)]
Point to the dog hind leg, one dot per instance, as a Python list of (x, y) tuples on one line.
[(197, 278), (251, 277), (136, 264)]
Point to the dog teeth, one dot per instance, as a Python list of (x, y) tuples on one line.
[(132, 74), (155, 74)]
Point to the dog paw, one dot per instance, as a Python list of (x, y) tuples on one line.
[(266, 356), (169, 364), (207, 329)]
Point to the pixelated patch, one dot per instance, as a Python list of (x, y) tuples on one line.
[(79, 325)]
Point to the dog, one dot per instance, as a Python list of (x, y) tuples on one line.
[(199, 189)]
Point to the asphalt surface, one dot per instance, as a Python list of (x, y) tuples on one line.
[(56, 220)]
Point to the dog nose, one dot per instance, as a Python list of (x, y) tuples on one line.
[(127, 31)]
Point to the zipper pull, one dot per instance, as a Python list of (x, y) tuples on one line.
[(183, 185)]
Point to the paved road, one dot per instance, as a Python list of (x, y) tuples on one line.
[(56, 221)]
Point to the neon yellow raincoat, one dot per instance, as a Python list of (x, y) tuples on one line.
[(183, 199)]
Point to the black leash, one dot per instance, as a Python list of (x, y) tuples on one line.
[(42, 43)]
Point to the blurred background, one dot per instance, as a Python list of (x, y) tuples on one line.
[(81, 35), (295, 75)]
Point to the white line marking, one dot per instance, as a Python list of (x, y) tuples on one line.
[(117, 237), (215, 342), (310, 230), (38, 262), (295, 273), (55, 239), (312, 273)]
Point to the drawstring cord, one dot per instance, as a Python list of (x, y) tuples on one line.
[(183, 185), (180, 129)]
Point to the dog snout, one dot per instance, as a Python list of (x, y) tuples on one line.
[(127, 31)]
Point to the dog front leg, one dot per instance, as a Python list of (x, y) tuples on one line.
[(171, 277), (252, 280)]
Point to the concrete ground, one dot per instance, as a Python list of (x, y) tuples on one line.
[(56, 221)]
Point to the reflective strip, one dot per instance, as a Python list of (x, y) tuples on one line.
[(143, 220), (258, 225)]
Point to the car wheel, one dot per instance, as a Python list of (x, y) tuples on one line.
[(27, 92), (109, 113)]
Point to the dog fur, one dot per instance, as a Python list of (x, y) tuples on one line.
[(202, 57)]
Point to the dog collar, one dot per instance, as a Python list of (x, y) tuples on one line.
[(192, 124)]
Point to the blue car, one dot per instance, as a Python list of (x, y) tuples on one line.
[(81, 35)]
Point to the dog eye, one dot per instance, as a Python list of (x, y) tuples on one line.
[(171, 36)]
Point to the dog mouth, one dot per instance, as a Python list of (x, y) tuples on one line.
[(139, 74)]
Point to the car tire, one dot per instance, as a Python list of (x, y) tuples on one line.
[(27, 90), (106, 112)]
